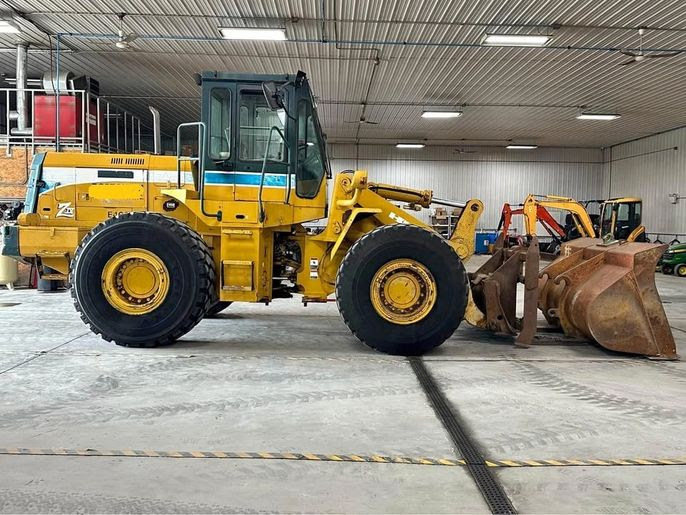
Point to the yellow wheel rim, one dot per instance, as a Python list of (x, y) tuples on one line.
[(135, 281), (681, 271), (403, 291)]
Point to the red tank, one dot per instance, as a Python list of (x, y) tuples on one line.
[(71, 118)]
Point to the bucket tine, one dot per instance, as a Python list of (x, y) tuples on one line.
[(494, 288), (494, 291), (531, 264)]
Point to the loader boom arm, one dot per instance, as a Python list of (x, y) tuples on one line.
[(462, 237)]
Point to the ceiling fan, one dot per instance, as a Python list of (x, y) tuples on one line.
[(637, 57), (124, 40), (363, 120), (464, 151)]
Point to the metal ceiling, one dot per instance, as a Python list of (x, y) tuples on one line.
[(388, 60)]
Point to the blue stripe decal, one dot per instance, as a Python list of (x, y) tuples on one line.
[(247, 179)]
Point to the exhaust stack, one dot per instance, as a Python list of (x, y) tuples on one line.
[(21, 115), (156, 132)]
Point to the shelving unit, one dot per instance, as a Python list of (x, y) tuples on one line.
[(444, 226)]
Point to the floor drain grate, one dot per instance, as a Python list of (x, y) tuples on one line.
[(491, 490)]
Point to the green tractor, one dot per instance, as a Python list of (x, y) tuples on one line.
[(673, 261)]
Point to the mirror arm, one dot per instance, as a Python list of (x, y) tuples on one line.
[(288, 114)]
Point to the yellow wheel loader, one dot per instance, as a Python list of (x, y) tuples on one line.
[(151, 244)]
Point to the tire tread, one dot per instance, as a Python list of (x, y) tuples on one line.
[(204, 264), (347, 269)]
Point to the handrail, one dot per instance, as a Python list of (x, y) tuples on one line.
[(260, 207), (93, 121), (200, 160), (288, 183)]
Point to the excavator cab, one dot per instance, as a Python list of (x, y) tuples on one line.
[(620, 220)]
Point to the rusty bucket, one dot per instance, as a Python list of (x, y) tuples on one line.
[(607, 293)]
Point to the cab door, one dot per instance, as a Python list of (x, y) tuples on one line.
[(620, 219), (311, 162), (219, 116)]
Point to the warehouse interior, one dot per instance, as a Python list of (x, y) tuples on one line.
[(536, 368)]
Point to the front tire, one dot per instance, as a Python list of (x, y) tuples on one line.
[(142, 279), (217, 308), (680, 270), (402, 290)]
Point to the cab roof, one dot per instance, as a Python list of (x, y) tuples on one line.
[(617, 200), (244, 77)]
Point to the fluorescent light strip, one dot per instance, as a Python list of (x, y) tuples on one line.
[(410, 145), (441, 114), (8, 27), (597, 116), (253, 33), (521, 147), (532, 40)]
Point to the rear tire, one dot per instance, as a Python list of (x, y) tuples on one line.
[(377, 251), (188, 279), (680, 270)]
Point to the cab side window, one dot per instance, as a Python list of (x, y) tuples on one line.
[(628, 218), (220, 123)]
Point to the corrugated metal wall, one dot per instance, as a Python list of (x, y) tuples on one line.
[(494, 175), (651, 168)]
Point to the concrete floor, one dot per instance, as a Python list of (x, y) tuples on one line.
[(285, 378)]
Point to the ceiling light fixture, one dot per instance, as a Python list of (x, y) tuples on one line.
[(9, 27), (441, 114), (597, 116), (253, 33), (521, 147), (531, 40), (410, 145)]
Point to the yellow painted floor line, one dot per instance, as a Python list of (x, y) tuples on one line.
[(354, 458)]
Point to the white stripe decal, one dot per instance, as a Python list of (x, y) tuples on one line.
[(59, 176)]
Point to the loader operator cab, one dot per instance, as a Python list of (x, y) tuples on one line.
[(262, 131)]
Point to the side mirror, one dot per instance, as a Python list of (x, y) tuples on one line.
[(272, 95)]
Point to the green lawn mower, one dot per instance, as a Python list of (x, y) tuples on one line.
[(673, 261)]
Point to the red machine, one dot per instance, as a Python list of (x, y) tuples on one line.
[(72, 115), (544, 217), (554, 229)]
